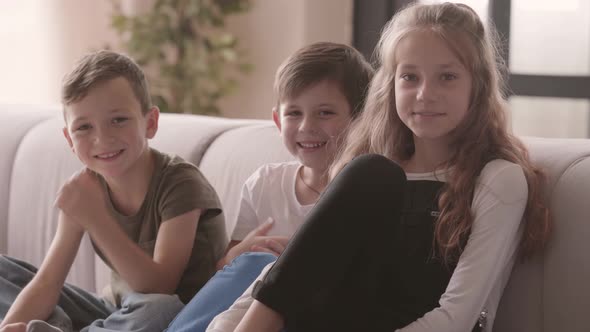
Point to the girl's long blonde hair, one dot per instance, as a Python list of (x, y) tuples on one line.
[(481, 136)]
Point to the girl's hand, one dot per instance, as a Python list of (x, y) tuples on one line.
[(14, 327)]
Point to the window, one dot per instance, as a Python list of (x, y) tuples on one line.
[(557, 30)]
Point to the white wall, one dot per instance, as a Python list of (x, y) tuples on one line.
[(27, 58), (42, 39), (273, 30)]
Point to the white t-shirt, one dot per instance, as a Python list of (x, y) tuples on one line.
[(270, 192), (484, 267)]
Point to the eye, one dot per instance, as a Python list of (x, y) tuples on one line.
[(409, 77), (120, 120), (82, 127), (448, 76), (325, 113), (292, 113)]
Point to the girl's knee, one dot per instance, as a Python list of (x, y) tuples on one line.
[(376, 165), (372, 173)]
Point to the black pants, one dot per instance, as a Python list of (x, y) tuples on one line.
[(332, 275)]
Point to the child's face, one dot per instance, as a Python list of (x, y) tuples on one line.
[(107, 130), (312, 122), (432, 87)]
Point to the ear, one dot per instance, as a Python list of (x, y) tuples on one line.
[(276, 117), (152, 118), (68, 138)]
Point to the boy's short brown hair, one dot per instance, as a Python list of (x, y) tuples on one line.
[(102, 66), (316, 62)]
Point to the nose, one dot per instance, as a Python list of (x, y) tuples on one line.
[(427, 91), (307, 124), (103, 134)]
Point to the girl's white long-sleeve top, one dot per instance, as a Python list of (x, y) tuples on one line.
[(483, 269)]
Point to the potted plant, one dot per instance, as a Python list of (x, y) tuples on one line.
[(190, 60)]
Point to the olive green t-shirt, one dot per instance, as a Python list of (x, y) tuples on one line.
[(176, 187)]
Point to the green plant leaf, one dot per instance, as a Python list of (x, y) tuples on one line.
[(185, 51)]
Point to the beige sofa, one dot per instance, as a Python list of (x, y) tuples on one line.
[(549, 293)]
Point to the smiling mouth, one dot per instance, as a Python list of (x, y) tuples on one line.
[(311, 145), (109, 155)]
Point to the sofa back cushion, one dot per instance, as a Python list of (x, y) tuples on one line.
[(550, 292), (16, 122)]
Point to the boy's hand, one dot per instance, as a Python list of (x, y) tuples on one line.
[(257, 240), (82, 197), (14, 327)]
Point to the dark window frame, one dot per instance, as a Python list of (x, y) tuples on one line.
[(559, 86), (369, 17)]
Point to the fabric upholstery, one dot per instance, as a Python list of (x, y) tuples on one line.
[(19, 119)]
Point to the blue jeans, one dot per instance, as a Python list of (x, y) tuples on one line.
[(220, 292)]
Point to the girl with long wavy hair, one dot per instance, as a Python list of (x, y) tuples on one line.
[(432, 201)]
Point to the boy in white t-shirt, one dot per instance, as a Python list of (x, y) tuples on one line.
[(321, 88), (259, 207)]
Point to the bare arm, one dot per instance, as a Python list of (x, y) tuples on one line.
[(81, 198), (260, 318), (14, 327), (143, 273), (38, 299)]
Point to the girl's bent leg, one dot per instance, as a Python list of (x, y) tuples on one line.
[(260, 318), (220, 292), (330, 271)]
